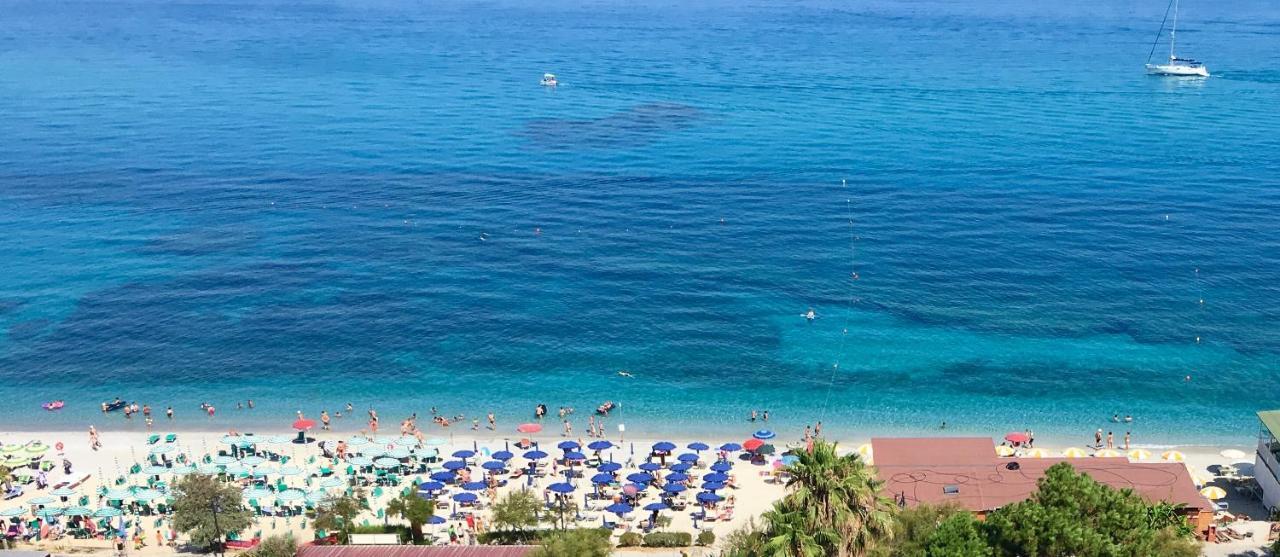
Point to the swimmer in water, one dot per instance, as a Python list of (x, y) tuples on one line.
[(625, 373), (810, 315)]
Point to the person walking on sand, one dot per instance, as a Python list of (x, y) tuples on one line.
[(94, 443), (1097, 438), (1126, 440), (493, 422), (1111, 440), (324, 420), (568, 429)]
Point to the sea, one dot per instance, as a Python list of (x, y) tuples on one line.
[(999, 221)]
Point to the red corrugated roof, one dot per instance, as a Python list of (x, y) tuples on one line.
[(416, 551)]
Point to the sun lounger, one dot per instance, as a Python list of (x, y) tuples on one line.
[(13, 493)]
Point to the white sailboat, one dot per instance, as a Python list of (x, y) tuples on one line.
[(1181, 67)]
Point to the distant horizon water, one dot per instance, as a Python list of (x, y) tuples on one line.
[(313, 203)]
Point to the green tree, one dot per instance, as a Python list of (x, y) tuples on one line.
[(958, 535), (791, 534), (746, 541), (195, 498), (5, 477), (581, 542), (1071, 514), (518, 510), (414, 509), (338, 513), (914, 527), (276, 546), (840, 494)]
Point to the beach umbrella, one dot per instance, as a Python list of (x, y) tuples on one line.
[(256, 493), (697, 446), (436, 442), (1107, 453), (63, 492), (715, 477), (561, 487), (1173, 456), (332, 481), (17, 461), (535, 455), (399, 452), (1017, 437), (752, 444), (12, 512), (1036, 453), (640, 478), (279, 440), (291, 495), (356, 441), (677, 477), (502, 455), (474, 486), (48, 512), (145, 495), (1233, 454), (763, 434), (454, 465), (602, 478), (600, 445), (713, 486), (1005, 450), (252, 460), (445, 476), (664, 446), (609, 467), (766, 449), (303, 424), (289, 471), (493, 465), (706, 497), (687, 457), (1213, 492), (465, 497), (182, 470), (77, 511), (430, 486), (430, 452), (232, 439), (384, 440), (164, 448), (529, 428), (1139, 454), (208, 468), (464, 454), (650, 466), (674, 488), (386, 463), (223, 460), (155, 470), (360, 461), (632, 489), (1074, 452), (619, 508), (235, 469), (436, 520), (730, 447), (407, 441), (574, 455), (680, 467), (656, 506), (107, 512), (10, 449), (372, 451), (568, 445), (43, 500)]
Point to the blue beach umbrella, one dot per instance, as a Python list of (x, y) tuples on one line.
[(640, 478), (677, 477), (680, 467), (465, 497), (764, 434), (698, 446), (730, 447), (443, 476), (721, 467), (474, 486), (561, 487), (715, 477), (464, 454), (664, 446), (568, 445), (503, 455), (535, 455), (599, 445), (687, 457), (493, 465), (712, 486), (436, 520), (431, 486), (454, 465), (619, 508), (709, 497), (789, 459), (674, 488), (609, 467), (650, 466), (656, 506), (602, 478), (574, 455)]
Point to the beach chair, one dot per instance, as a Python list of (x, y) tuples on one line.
[(153, 439), (170, 438)]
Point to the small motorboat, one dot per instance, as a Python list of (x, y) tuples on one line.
[(549, 80), (114, 405), (53, 405)]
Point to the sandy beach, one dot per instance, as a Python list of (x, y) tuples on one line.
[(756, 485)]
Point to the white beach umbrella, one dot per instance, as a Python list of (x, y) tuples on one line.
[(1139, 454), (1074, 452), (1036, 453), (866, 452), (1173, 456), (1234, 454), (1108, 453), (1213, 492), (1005, 450)]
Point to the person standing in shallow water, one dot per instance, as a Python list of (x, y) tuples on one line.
[(324, 420)]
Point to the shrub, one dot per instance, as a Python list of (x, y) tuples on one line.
[(508, 537), (276, 546), (630, 539), (668, 539), (706, 537)]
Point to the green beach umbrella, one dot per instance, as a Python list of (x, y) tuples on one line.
[(36, 449), (63, 492), (257, 493), (291, 495), (48, 512), (117, 494), (357, 441), (332, 481), (10, 449), (77, 511), (12, 512), (107, 512), (373, 451), (360, 461), (407, 441), (289, 471), (144, 495), (164, 448), (183, 470), (24, 474), (386, 462), (155, 470), (42, 500), (399, 452), (252, 460), (223, 459), (436, 442), (280, 440), (16, 461), (427, 452), (208, 468)]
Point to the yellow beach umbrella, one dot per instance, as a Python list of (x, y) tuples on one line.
[(1139, 454), (1213, 492), (1200, 479), (1036, 453), (1074, 452), (1173, 456), (1004, 450), (865, 451), (1108, 453)]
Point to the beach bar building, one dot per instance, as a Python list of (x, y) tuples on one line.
[(965, 471), (1266, 464)]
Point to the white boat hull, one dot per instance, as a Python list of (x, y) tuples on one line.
[(1177, 70)]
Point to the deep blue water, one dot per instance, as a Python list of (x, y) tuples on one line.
[(310, 203)]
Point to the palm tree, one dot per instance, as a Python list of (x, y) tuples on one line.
[(415, 509), (790, 535), (842, 494)]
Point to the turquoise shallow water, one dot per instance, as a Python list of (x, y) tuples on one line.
[(310, 203)]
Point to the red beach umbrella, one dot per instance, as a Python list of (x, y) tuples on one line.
[(303, 424), (529, 428), (752, 444), (1017, 437)]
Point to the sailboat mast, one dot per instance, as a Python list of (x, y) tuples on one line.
[(1173, 32)]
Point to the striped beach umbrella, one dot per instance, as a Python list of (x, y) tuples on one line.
[(48, 512), (357, 441), (1036, 453), (1074, 452), (289, 471), (36, 448), (63, 492), (77, 511), (1139, 454), (107, 512), (1108, 453), (1173, 456), (155, 470), (866, 452), (1005, 450), (360, 461), (42, 500), (146, 495), (1213, 492), (183, 470), (252, 460), (164, 448), (291, 495), (12, 512)]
